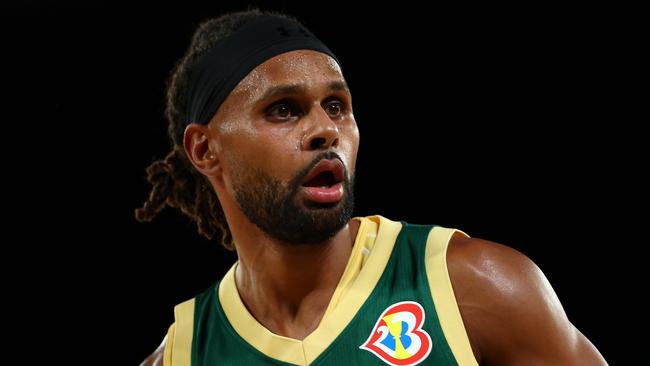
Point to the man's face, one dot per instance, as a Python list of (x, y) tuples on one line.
[(279, 123)]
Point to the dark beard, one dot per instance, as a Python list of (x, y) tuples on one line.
[(276, 210)]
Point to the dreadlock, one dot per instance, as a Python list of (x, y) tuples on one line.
[(175, 181)]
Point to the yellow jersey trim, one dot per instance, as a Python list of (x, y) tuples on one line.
[(370, 254), (181, 343), (443, 295), (362, 246), (169, 345)]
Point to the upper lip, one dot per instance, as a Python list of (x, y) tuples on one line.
[(326, 165)]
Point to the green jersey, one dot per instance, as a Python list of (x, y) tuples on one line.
[(393, 305)]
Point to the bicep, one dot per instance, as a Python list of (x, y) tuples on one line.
[(514, 312), (162, 355), (546, 336), (586, 352), (156, 358)]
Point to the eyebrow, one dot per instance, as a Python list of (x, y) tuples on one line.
[(334, 86)]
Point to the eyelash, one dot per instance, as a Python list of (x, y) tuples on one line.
[(337, 101), (294, 107)]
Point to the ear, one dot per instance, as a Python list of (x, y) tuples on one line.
[(196, 141)]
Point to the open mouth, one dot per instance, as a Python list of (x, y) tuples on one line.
[(325, 174), (323, 183)]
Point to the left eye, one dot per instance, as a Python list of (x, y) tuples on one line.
[(282, 111), (334, 108)]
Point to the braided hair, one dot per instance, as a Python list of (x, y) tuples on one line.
[(175, 181)]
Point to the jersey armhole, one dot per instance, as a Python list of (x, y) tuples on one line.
[(443, 296), (169, 345), (178, 351)]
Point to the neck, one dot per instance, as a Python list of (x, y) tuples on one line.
[(287, 287)]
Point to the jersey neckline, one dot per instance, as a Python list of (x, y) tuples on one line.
[(370, 253)]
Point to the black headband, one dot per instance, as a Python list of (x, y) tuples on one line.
[(231, 59)]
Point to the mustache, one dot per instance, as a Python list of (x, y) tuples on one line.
[(329, 155)]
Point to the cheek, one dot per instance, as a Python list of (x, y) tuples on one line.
[(350, 146), (263, 150), (274, 146)]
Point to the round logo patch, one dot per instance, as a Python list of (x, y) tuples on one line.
[(398, 337)]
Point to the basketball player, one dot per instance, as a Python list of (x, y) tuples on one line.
[(264, 151)]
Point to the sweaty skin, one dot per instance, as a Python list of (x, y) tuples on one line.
[(511, 313)]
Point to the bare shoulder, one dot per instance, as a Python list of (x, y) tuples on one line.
[(510, 310), (156, 358)]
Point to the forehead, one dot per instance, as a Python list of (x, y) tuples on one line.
[(307, 67)]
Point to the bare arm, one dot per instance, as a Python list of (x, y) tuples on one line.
[(510, 310), (156, 358)]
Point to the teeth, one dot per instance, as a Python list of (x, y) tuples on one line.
[(324, 186)]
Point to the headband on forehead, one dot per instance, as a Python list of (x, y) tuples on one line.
[(231, 59)]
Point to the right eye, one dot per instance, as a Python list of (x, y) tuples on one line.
[(282, 111)]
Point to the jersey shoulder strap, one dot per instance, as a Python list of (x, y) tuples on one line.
[(442, 292), (178, 350)]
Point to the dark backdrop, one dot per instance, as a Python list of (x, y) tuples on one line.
[(519, 124)]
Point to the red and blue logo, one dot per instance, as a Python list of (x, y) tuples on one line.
[(398, 337)]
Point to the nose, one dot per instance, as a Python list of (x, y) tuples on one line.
[(322, 132)]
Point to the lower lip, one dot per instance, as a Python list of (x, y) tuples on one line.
[(325, 195)]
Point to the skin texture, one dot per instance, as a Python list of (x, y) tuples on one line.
[(511, 313), (243, 136)]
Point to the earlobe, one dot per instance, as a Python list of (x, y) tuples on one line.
[(196, 142)]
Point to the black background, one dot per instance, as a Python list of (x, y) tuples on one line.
[(529, 119)]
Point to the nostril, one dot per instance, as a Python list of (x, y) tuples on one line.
[(318, 142)]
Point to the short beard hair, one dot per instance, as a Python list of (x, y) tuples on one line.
[(276, 210)]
